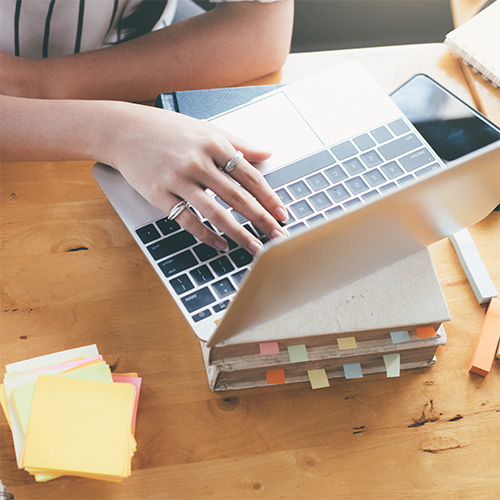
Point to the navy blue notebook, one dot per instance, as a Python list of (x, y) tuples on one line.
[(206, 103)]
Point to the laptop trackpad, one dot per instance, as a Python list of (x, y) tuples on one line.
[(287, 135)]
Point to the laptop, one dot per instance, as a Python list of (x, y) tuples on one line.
[(362, 187)]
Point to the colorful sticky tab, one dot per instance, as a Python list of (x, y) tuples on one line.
[(297, 353), (353, 370), (275, 376), (318, 379), (347, 343), (269, 348), (425, 331), (401, 336), (392, 364), (488, 340)]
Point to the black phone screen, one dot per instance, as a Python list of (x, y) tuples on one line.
[(451, 127)]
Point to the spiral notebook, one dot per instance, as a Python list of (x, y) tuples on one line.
[(477, 42)]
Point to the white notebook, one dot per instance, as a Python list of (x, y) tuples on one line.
[(477, 42)]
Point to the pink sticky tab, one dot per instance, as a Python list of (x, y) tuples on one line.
[(269, 348)]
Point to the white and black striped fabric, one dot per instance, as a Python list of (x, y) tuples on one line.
[(49, 28)]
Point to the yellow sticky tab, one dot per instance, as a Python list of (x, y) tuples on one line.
[(318, 379), (347, 343)]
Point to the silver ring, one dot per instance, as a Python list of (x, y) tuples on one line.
[(178, 209), (232, 162)]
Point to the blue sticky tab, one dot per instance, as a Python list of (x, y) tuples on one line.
[(401, 336), (353, 371)]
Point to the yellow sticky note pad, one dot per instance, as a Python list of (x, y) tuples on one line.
[(79, 427), (347, 343), (392, 364), (318, 379)]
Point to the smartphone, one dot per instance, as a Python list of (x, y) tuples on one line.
[(450, 126)]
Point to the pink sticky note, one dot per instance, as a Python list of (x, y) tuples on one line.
[(136, 381), (269, 348)]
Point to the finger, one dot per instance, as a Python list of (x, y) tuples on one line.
[(191, 223), (253, 181), (227, 224)]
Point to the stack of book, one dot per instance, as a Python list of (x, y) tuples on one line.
[(386, 322), (70, 416)]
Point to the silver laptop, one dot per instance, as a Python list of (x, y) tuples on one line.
[(362, 186)]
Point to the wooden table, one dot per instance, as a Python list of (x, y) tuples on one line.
[(72, 276)]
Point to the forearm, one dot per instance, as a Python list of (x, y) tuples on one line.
[(48, 130), (226, 46)]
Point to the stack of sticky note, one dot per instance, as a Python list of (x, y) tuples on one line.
[(70, 416)]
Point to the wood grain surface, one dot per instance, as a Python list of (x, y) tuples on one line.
[(72, 276)]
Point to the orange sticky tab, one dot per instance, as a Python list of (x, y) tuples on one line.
[(275, 376), (487, 343), (425, 331)]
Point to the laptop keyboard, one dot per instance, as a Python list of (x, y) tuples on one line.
[(316, 188)]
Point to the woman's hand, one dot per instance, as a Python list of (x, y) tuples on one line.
[(169, 157)]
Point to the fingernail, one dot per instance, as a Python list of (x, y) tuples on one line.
[(281, 214), (255, 246), (222, 246), (276, 233)]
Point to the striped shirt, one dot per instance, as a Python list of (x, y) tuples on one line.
[(49, 28)]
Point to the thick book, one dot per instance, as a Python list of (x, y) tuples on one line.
[(477, 42), (397, 310)]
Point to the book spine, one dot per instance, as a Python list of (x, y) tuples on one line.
[(470, 58)]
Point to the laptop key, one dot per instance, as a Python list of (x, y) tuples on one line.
[(237, 277), (241, 257), (148, 233), (317, 219), (301, 209), (317, 181), (399, 127), (178, 263), (356, 185), (406, 180), (197, 300), (371, 159), (220, 307), (297, 227), (364, 142), (167, 226), (284, 196), (181, 284), (374, 177), (202, 275), (299, 190), (338, 193), (427, 170), (381, 134), (202, 315), (299, 169), (205, 252), (388, 188), (171, 244), (416, 159), (371, 195), (354, 166), (336, 174), (221, 266), (400, 146), (392, 170), (344, 150), (334, 212), (320, 201), (223, 288), (352, 204)]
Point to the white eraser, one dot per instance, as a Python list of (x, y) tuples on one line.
[(473, 266)]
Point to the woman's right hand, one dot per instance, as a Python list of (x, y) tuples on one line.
[(168, 157)]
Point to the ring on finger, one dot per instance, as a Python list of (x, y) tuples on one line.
[(231, 164), (178, 209)]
